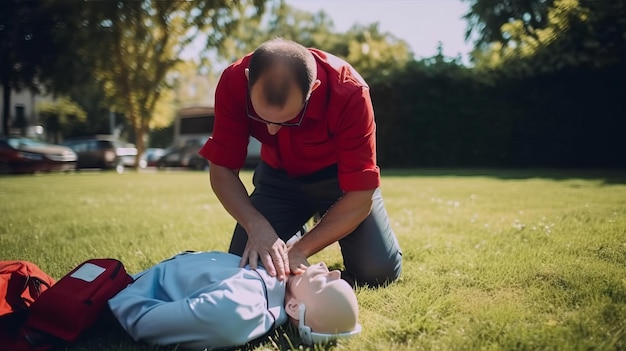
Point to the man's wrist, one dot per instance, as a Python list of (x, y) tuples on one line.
[(255, 223), (300, 249)]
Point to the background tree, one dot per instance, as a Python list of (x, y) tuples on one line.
[(193, 85), (571, 33), (142, 43), (59, 115), (486, 18), (29, 46), (100, 119), (546, 97), (373, 53)]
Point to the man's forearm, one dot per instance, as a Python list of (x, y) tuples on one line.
[(345, 215), (233, 195)]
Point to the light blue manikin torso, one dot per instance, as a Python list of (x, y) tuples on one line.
[(200, 300)]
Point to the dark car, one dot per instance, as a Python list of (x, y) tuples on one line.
[(25, 155), (102, 152), (183, 155), (151, 157), (186, 155)]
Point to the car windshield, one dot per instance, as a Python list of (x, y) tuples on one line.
[(17, 143)]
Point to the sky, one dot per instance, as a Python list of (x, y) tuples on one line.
[(421, 23)]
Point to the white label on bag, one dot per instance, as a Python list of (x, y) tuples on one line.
[(88, 272)]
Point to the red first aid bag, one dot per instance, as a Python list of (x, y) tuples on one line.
[(75, 302), (21, 283)]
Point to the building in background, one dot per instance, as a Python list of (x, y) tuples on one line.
[(24, 119)]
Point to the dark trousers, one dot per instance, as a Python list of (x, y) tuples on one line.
[(371, 253)]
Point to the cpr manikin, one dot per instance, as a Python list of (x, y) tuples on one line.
[(204, 300), (322, 305)]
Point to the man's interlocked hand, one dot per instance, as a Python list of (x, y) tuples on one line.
[(265, 245), (297, 261)]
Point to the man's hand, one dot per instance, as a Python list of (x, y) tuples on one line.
[(297, 260), (263, 243), (272, 251)]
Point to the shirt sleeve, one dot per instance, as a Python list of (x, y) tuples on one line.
[(356, 144), (231, 130)]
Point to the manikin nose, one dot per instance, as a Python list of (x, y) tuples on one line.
[(334, 275), (272, 129), (331, 275)]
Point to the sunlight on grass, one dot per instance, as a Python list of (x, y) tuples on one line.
[(493, 260)]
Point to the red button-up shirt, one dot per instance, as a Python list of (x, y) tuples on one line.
[(338, 127)]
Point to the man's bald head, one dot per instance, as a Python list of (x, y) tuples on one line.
[(280, 66)]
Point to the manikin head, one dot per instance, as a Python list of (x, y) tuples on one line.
[(322, 305), (281, 76)]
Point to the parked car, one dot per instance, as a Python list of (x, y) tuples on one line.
[(25, 155), (186, 155), (183, 155), (151, 156), (102, 152), (197, 162)]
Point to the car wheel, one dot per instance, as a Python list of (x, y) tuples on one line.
[(119, 168), (5, 168), (196, 165), (203, 165)]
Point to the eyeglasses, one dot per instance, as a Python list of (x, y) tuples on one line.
[(282, 124)]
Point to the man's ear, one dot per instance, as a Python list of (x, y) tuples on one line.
[(292, 307), (315, 85), (247, 73)]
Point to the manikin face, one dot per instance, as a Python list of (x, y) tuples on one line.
[(331, 305), (315, 279)]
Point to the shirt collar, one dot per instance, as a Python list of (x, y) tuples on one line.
[(319, 98)]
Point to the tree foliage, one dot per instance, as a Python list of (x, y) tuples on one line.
[(140, 46), (60, 114), (30, 41), (280, 20), (572, 33), (486, 18), (436, 113), (127, 53), (541, 94), (373, 53), (192, 85), (546, 88)]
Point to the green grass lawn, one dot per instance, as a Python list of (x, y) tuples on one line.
[(493, 260)]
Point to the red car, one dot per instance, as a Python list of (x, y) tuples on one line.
[(24, 155)]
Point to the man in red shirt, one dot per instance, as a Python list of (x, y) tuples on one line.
[(313, 115)]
